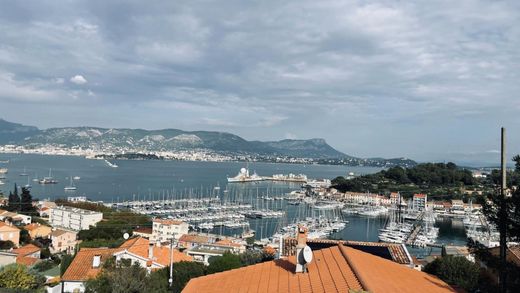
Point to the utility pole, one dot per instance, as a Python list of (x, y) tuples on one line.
[(170, 280), (503, 215)]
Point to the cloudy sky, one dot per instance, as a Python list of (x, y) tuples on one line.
[(430, 80)]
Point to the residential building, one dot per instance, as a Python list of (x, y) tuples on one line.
[(7, 258), (202, 253), (88, 262), (37, 230), (337, 268), (63, 240), (148, 254), (15, 218), (9, 232), (86, 265), (27, 255), (419, 201), (73, 218), (163, 230), (191, 240)]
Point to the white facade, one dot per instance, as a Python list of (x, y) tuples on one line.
[(73, 286), (419, 202), (163, 230), (73, 218)]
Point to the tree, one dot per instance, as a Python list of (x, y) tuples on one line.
[(455, 270), (26, 206), (6, 244), (227, 261), (13, 204), (25, 237), (122, 277), (66, 260), (15, 276), (182, 272)]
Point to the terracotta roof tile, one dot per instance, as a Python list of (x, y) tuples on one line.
[(167, 221), (161, 255), (26, 260), (26, 250), (194, 238), (334, 269), (6, 227), (81, 267)]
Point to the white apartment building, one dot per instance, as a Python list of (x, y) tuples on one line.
[(73, 218), (162, 230), (419, 201)]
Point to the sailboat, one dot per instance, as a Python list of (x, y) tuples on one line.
[(49, 179), (24, 172), (28, 186), (71, 187)]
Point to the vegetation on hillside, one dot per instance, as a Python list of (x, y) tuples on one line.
[(436, 179)]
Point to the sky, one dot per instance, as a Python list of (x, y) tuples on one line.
[(427, 80)]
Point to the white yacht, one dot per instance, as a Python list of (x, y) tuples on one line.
[(49, 179), (243, 176)]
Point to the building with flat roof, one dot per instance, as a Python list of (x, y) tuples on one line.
[(419, 201), (165, 229), (73, 218)]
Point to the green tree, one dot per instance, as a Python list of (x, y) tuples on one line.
[(25, 237), (455, 270), (227, 261), (26, 206), (7, 244), (15, 276), (182, 272), (13, 204), (66, 260), (119, 278)]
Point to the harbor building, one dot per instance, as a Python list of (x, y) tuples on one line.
[(73, 218), (419, 201), (164, 230)]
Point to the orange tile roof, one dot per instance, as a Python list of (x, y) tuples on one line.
[(6, 227), (419, 195), (161, 254), (334, 269), (194, 238), (81, 267), (26, 250), (26, 260), (144, 230), (227, 242)]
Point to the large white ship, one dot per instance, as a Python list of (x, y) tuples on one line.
[(243, 176)]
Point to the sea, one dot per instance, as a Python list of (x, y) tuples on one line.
[(158, 179)]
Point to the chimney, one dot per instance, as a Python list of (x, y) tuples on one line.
[(96, 261), (301, 237), (150, 250)]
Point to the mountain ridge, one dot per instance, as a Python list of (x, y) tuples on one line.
[(169, 139)]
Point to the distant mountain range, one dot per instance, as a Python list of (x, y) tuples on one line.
[(140, 140)]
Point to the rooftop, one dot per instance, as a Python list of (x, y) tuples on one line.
[(167, 222), (335, 269), (75, 210), (59, 232), (81, 268), (26, 250), (7, 227), (161, 254)]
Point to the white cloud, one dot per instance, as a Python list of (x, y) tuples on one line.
[(78, 79)]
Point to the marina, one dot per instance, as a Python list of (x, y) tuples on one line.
[(266, 208)]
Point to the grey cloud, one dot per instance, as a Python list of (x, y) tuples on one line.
[(355, 73)]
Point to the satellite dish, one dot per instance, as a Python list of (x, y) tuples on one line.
[(307, 254), (126, 235)]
